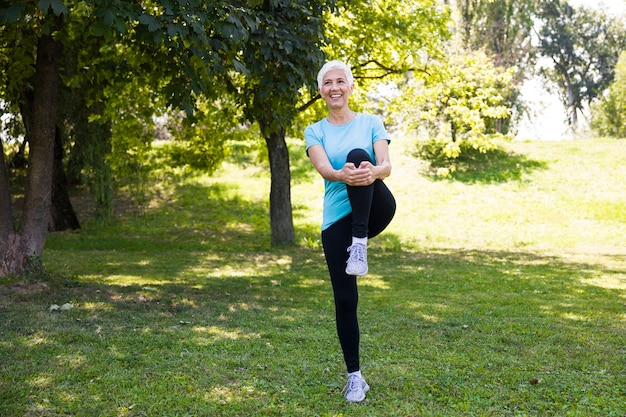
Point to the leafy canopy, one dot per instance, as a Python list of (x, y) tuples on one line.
[(583, 46)]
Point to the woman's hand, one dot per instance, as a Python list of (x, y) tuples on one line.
[(358, 177), (364, 175)]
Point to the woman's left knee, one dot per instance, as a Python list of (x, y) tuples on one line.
[(358, 155)]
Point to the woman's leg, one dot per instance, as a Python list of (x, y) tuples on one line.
[(373, 206), (382, 210), (360, 197), (335, 240)]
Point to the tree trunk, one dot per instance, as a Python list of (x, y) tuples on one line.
[(281, 217), (6, 213), (571, 99), (22, 250), (62, 215)]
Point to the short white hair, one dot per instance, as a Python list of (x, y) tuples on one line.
[(334, 65)]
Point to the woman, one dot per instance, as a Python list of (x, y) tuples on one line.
[(350, 151)]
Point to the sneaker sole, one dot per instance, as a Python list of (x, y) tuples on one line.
[(357, 273)]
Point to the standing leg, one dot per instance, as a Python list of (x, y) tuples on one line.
[(335, 240)]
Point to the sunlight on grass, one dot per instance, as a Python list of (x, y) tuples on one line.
[(311, 282), (259, 265), (36, 339), (430, 318), (374, 281), (217, 333), (233, 308), (229, 271), (68, 397), (69, 360), (41, 381), (133, 280), (239, 227), (419, 306), (95, 306), (225, 395), (608, 282), (575, 317)]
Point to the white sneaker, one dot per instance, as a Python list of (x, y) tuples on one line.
[(357, 262), (355, 389)]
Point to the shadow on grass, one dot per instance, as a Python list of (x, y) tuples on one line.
[(492, 167), (253, 334), (184, 309)]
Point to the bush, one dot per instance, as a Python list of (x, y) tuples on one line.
[(607, 114), (444, 155)]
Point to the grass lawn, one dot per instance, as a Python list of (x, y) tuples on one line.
[(499, 292)]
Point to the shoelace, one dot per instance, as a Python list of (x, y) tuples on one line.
[(357, 253), (354, 383)]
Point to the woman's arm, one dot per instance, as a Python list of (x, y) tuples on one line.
[(320, 161), (366, 174), (382, 169)]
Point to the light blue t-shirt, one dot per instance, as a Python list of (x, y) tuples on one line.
[(338, 141)]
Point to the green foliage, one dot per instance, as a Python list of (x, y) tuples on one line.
[(608, 113), (502, 28), (202, 142), (386, 37), (446, 158), (17, 62), (124, 62), (463, 111), (583, 46), (381, 41), (280, 54), (384, 40)]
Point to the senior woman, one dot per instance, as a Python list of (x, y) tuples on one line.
[(350, 151)]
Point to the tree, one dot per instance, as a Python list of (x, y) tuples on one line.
[(279, 55), (583, 46), (21, 246), (386, 39), (265, 50), (502, 28), (461, 110), (384, 42), (608, 113), (379, 39), (192, 41)]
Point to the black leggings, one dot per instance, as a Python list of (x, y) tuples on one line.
[(373, 208)]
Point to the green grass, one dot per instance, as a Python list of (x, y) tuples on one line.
[(499, 292)]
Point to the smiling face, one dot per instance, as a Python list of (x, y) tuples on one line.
[(336, 89)]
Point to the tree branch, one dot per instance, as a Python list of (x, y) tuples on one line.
[(387, 70), (308, 103)]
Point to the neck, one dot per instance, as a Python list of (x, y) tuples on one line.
[(340, 117)]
